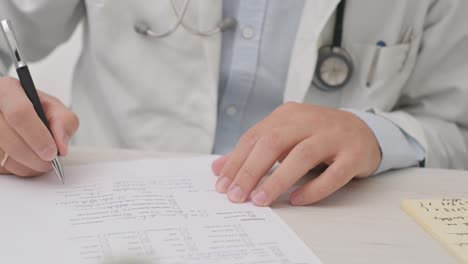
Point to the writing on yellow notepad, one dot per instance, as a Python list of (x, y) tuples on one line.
[(445, 219)]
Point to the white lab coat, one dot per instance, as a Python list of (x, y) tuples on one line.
[(161, 94)]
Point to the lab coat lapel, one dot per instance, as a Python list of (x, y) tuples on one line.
[(304, 55), (209, 15)]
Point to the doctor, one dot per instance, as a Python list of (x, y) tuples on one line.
[(392, 92)]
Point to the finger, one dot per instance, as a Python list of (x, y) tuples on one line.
[(3, 171), (305, 156), (333, 178), (284, 155), (13, 167), (247, 143), (18, 150), (219, 163), (63, 122), (20, 115), (262, 158), (236, 159)]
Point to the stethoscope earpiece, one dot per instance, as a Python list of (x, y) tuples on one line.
[(142, 28), (228, 23)]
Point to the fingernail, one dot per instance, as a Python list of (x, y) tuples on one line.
[(222, 184), (260, 198), (297, 199), (214, 167), (236, 194), (49, 153)]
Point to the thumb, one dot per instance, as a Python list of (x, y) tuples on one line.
[(63, 123)]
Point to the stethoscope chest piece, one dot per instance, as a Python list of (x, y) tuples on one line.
[(334, 68)]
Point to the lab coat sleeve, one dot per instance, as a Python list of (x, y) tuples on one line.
[(40, 25), (433, 108)]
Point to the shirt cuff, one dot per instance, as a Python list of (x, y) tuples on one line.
[(399, 150)]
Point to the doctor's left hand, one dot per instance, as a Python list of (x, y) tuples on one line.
[(301, 137)]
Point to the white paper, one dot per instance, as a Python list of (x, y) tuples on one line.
[(151, 211)]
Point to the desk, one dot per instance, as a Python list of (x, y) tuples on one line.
[(362, 223)]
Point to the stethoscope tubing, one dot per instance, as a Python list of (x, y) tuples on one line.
[(180, 14)]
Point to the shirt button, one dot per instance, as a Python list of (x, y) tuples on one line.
[(231, 110), (248, 32)]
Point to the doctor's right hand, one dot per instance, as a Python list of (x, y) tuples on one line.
[(26, 145)]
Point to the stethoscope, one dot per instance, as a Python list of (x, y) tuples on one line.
[(334, 64), (144, 29)]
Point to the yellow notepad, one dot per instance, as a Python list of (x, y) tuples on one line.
[(445, 219)]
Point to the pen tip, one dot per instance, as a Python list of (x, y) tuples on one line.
[(58, 169)]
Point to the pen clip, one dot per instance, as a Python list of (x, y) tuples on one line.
[(10, 37)]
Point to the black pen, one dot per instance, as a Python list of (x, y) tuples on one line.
[(28, 85)]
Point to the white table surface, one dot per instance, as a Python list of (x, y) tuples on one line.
[(362, 223)]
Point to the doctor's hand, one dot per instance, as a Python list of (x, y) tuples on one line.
[(29, 144), (301, 137)]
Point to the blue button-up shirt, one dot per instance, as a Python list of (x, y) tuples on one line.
[(254, 65)]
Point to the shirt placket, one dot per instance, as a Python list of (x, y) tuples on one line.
[(241, 78)]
